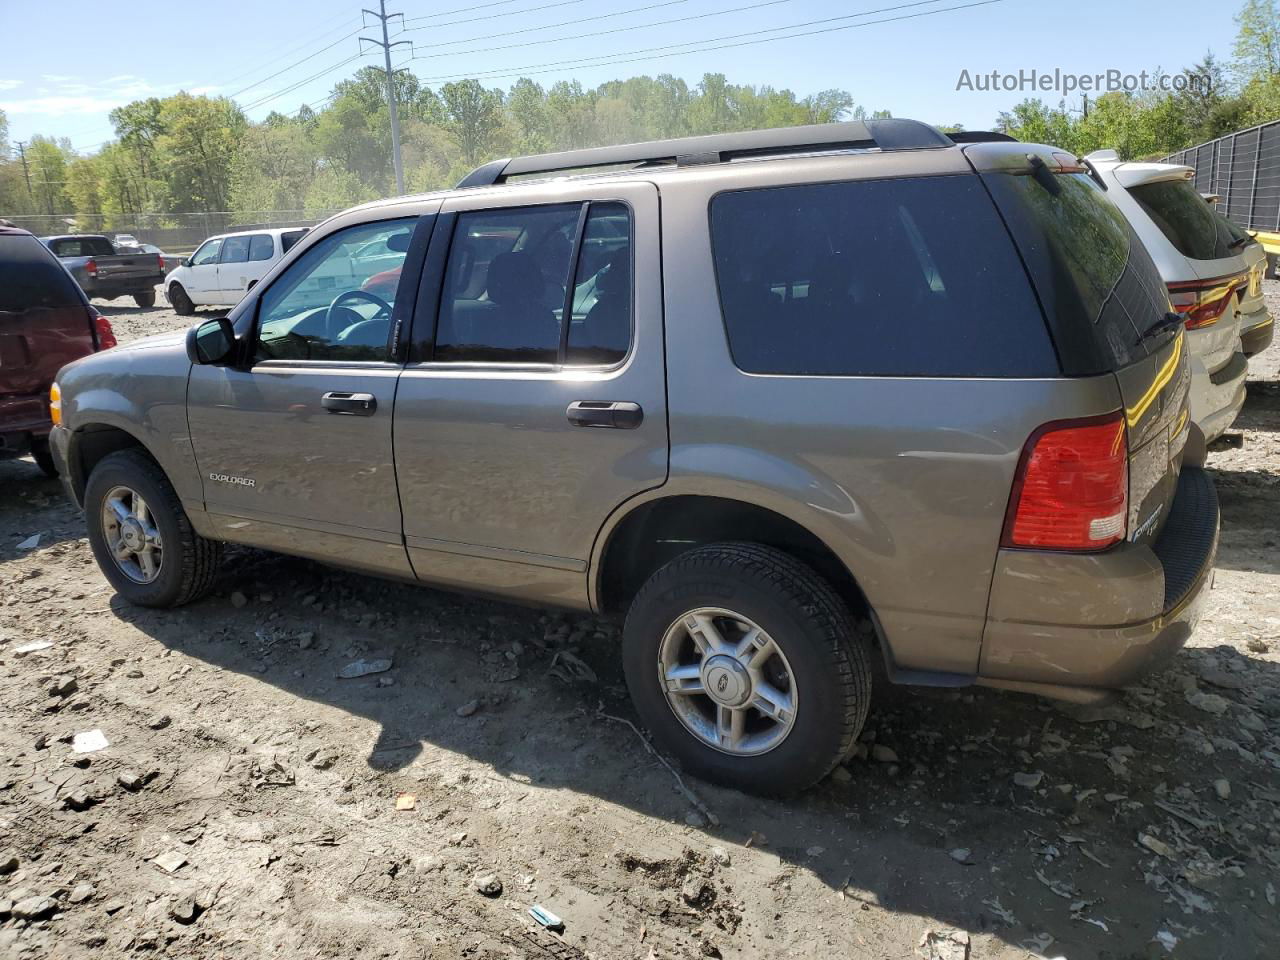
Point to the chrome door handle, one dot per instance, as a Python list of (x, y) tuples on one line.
[(350, 404), (619, 415)]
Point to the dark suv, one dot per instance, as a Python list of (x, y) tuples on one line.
[(778, 398), (45, 322)]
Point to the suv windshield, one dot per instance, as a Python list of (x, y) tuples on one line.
[(1096, 280), (1192, 225)]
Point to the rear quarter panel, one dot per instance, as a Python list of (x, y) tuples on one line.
[(907, 480)]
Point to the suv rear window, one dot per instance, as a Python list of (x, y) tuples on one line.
[(30, 277), (1191, 224), (909, 277), (1095, 279)]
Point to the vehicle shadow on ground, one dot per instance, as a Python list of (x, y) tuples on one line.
[(1248, 500), (23, 486), (884, 836)]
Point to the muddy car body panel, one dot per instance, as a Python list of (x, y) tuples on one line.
[(876, 405)]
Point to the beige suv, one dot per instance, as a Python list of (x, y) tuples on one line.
[(785, 400)]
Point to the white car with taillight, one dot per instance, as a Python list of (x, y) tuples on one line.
[(1213, 270)]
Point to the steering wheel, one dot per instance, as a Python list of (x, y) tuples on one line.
[(384, 308)]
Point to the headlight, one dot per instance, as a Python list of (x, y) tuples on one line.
[(55, 403)]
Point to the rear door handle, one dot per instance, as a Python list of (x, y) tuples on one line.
[(350, 404), (618, 415)]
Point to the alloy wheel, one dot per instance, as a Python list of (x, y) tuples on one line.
[(131, 535)]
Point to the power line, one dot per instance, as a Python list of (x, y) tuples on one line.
[(482, 6), (495, 16), (346, 19), (310, 56), (386, 44), (661, 52), (570, 23), (300, 83)]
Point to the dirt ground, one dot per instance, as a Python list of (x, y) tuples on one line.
[(246, 805)]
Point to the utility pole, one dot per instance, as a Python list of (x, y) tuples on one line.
[(386, 45), (25, 174)]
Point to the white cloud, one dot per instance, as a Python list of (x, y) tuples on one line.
[(203, 91), (9, 84), (57, 77), (65, 96), (61, 106)]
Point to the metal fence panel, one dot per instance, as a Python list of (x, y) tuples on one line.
[(1243, 168)]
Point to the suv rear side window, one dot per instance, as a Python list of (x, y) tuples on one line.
[(911, 277), (507, 285), (261, 247), (1094, 276), (30, 277), (1195, 228), (235, 250)]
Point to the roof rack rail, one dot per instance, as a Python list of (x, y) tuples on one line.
[(889, 134), (981, 136)]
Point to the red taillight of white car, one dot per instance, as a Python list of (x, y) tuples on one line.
[(1071, 491), (1203, 302)]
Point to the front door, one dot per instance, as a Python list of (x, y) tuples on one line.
[(295, 446), (534, 402), (201, 281), (231, 269)]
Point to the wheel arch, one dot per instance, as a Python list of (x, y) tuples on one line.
[(649, 532), (90, 444)]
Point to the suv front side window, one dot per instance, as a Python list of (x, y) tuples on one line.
[(208, 253), (331, 304)]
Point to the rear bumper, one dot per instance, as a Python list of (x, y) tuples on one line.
[(1256, 332), (1077, 626), (22, 419), (1216, 398)]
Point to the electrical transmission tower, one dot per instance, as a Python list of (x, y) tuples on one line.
[(386, 45)]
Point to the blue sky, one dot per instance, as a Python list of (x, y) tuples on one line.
[(106, 55)]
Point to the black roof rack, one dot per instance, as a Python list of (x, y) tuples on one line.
[(981, 136), (891, 134)]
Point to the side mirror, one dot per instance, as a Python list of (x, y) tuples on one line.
[(185, 261), (211, 342)]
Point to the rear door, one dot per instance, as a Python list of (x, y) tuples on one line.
[(44, 323), (534, 402), (232, 261)]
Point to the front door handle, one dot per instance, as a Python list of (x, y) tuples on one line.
[(350, 404), (619, 415)]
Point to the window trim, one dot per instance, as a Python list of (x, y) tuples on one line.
[(423, 225), (421, 340)]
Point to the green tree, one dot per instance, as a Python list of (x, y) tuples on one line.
[(473, 117), (200, 138), (1257, 47), (47, 167)]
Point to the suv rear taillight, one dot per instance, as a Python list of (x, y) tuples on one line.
[(102, 331), (1071, 491), (1203, 302), (91, 268)]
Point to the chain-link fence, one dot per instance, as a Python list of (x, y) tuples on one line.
[(176, 233), (1243, 168)]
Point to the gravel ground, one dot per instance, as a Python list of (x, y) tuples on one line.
[(251, 804)]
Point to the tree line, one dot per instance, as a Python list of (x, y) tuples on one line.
[(188, 154)]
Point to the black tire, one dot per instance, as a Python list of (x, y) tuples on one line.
[(189, 562), (180, 302), (830, 667), (147, 299), (43, 456), (1273, 266)]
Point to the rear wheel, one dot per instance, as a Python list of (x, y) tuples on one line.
[(182, 304), (141, 536), (1273, 266), (744, 663), (147, 299)]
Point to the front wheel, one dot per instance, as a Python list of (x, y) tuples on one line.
[(141, 536), (744, 663), (43, 456), (146, 298), (180, 302)]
